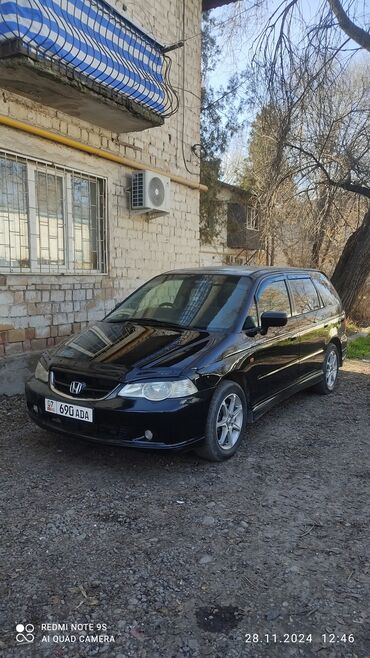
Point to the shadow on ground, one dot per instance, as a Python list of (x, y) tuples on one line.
[(183, 558)]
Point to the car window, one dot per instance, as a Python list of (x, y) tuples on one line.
[(305, 295), (251, 321), (163, 294), (273, 296), (327, 292), (199, 300)]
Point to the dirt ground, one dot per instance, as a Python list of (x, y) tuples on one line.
[(181, 558)]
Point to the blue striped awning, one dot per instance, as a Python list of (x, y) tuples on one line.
[(89, 37)]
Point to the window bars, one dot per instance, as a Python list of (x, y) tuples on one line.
[(92, 42), (251, 218), (52, 219)]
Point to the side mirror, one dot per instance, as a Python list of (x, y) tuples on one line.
[(249, 326), (272, 319)]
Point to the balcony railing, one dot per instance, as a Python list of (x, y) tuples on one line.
[(88, 41)]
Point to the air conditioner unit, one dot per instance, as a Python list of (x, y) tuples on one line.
[(150, 192)]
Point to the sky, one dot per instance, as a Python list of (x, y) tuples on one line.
[(237, 44)]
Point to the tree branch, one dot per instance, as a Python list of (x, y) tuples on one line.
[(353, 187), (313, 157), (355, 32), (344, 185)]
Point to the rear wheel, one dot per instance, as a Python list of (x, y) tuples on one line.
[(330, 371), (226, 422)]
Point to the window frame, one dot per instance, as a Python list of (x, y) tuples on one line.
[(267, 281), (5, 268), (252, 218), (34, 169), (316, 280), (34, 165), (299, 277)]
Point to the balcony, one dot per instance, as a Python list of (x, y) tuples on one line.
[(242, 225), (87, 60)]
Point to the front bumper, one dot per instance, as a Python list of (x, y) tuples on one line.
[(175, 424)]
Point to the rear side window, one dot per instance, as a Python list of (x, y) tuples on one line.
[(273, 296), (327, 293), (305, 295)]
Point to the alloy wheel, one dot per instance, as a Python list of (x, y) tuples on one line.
[(331, 370), (229, 421)]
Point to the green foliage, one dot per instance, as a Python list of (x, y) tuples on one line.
[(359, 348), (220, 110), (262, 151), (210, 210), (352, 327)]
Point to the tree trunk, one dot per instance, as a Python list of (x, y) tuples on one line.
[(324, 204), (353, 267)]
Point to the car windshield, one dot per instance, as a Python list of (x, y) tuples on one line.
[(199, 301)]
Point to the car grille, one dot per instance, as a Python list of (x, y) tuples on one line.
[(104, 432), (95, 387)]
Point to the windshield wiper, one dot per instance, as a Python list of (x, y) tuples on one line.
[(162, 323)]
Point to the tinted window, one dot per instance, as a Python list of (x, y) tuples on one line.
[(304, 295), (201, 301), (164, 294), (327, 292), (273, 297), (251, 321)]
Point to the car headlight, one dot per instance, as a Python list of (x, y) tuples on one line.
[(41, 373), (157, 391)]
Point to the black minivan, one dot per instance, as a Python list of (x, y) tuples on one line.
[(191, 357)]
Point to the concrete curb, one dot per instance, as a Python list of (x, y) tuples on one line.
[(15, 370)]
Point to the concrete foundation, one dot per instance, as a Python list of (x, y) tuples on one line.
[(15, 370)]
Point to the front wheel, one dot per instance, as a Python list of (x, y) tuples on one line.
[(226, 423), (330, 371)]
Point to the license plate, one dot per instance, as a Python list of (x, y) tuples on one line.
[(69, 410)]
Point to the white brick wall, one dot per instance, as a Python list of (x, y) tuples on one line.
[(38, 310)]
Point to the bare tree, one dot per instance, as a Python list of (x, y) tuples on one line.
[(311, 77), (354, 31)]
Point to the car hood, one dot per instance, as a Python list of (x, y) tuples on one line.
[(129, 349)]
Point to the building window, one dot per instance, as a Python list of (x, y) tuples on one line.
[(14, 233), (251, 218), (51, 219), (240, 217)]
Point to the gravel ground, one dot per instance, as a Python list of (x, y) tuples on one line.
[(183, 558)]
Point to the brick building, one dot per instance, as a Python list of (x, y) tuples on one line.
[(89, 96)]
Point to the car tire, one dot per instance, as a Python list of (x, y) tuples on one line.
[(226, 423), (330, 371)]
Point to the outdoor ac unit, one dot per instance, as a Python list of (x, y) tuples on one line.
[(150, 192)]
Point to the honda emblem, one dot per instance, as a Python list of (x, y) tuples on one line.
[(76, 387)]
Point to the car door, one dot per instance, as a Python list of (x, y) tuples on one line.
[(308, 311), (273, 366)]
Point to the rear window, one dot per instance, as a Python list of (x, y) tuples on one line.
[(305, 297), (327, 293)]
